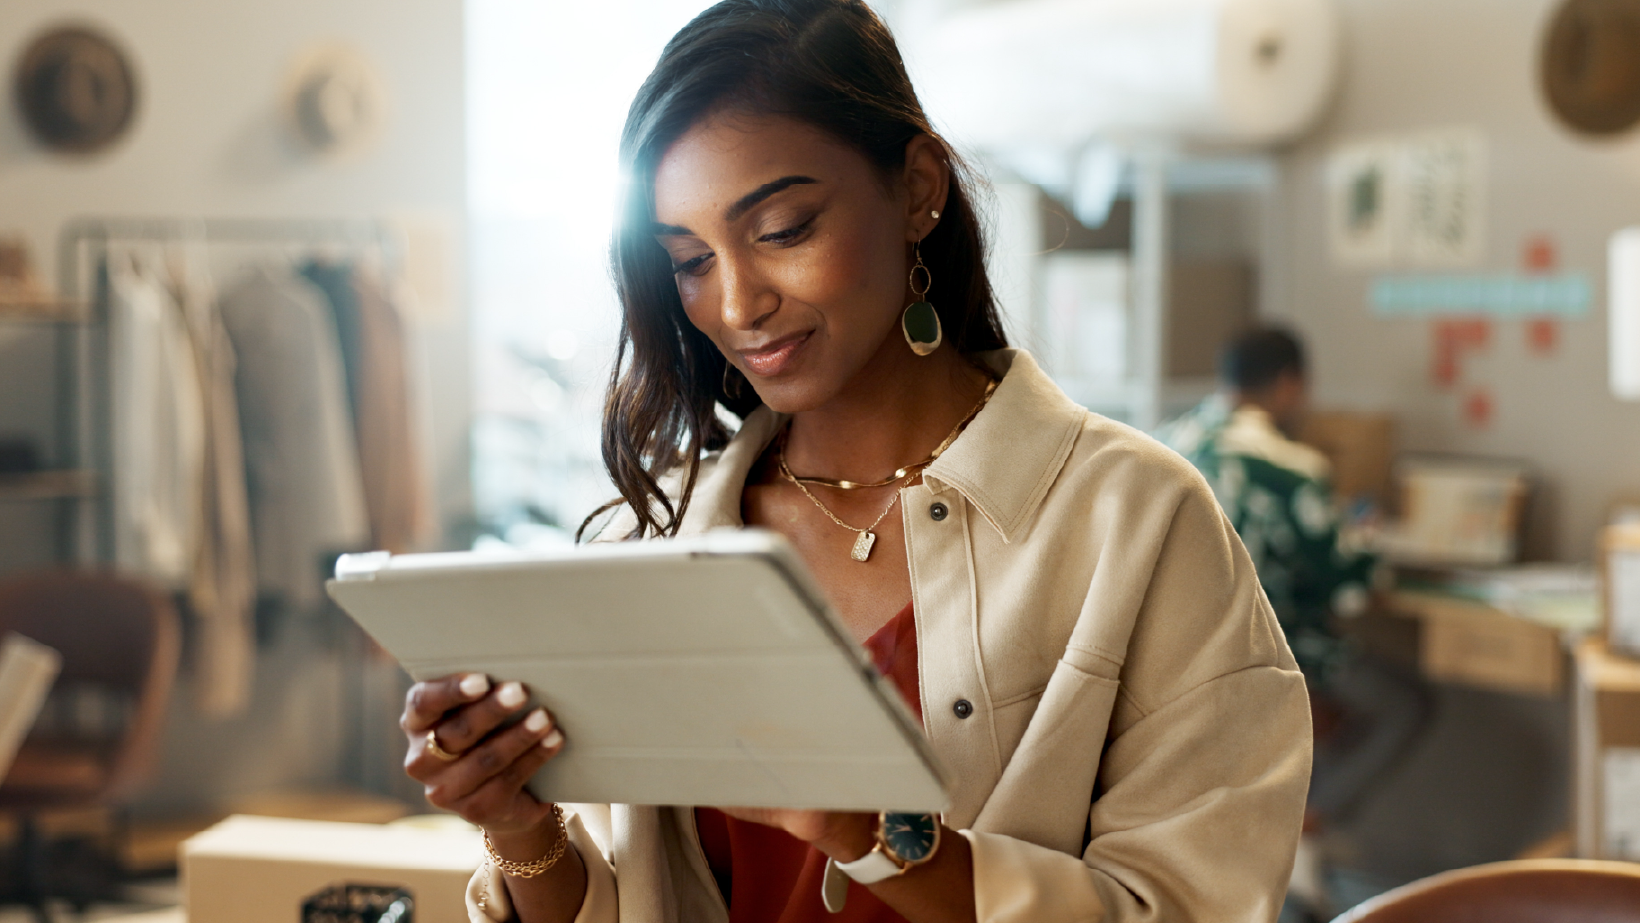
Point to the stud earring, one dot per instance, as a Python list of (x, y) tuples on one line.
[(920, 322), (936, 214), (732, 381)]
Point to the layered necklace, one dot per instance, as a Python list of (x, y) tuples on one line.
[(867, 537)]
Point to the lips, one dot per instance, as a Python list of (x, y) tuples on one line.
[(771, 360)]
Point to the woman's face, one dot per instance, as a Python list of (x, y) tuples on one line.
[(789, 251)]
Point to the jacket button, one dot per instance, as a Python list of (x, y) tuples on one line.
[(963, 708), (938, 512)]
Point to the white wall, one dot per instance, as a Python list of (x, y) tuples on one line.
[(208, 142), (1418, 64)]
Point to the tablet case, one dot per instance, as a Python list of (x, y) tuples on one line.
[(699, 671)]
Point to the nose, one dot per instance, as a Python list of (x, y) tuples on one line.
[(748, 299)]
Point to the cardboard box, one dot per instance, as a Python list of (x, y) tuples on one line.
[(1360, 446), (260, 869), (1457, 511), (1606, 757), (155, 845), (1475, 644), (164, 915)]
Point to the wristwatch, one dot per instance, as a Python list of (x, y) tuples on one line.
[(904, 841)]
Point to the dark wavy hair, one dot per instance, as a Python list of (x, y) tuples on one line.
[(831, 64)]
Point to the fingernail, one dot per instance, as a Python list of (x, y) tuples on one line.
[(537, 721), (511, 695), (553, 739), (474, 685)]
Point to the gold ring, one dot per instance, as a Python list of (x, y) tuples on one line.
[(438, 751)]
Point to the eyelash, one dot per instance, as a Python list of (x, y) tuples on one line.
[(788, 235), (688, 267)]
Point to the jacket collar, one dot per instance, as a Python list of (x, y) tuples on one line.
[(1009, 456), (716, 503), (1003, 463)]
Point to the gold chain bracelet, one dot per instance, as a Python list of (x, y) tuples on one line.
[(539, 866)]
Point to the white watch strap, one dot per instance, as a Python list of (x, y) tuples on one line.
[(870, 868), (834, 888)]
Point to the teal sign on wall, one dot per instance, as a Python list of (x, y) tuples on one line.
[(1565, 295)]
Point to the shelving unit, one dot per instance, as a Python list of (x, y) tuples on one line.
[(67, 477), (67, 484)]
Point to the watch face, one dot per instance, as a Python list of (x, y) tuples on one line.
[(911, 837)]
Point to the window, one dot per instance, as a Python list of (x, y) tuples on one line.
[(548, 88)]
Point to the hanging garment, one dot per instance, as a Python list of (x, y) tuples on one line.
[(376, 354), (222, 586), (399, 494), (302, 463), (158, 424), (334, 280)]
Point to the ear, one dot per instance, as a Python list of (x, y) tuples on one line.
[(927, 179)]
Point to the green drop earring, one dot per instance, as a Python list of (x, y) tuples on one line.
[(921, 323)]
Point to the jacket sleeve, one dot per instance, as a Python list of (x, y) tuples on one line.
[(487, 898), (1200, 792)]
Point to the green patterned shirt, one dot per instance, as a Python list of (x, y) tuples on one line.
[(1277, 496)]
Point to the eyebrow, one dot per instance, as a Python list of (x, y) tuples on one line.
[(745, 204), (750, 200)]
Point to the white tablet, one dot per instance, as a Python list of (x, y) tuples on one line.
[(699, 671)]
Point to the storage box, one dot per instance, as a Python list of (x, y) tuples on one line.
[(260, 869), (1457, 511), (154, 845), (1606, 758), (1478, 645)]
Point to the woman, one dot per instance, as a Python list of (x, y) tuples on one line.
[(1085, 639)]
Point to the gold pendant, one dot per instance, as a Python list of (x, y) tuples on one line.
[(862, 547)]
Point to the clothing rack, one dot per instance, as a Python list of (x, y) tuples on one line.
[(85, 403), (84, 406)]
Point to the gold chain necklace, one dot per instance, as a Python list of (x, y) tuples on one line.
[(862, 545), (908, 470), (867, 537)]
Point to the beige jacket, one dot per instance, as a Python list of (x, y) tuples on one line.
[(1139, 745)]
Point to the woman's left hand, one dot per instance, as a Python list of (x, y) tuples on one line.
[(844, 836)]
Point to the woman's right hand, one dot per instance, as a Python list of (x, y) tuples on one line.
[(484, 767)]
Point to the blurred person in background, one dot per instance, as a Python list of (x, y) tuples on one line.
[(1277, 494), (1276, 491)]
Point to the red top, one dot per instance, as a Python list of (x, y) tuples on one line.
[(768, 875)]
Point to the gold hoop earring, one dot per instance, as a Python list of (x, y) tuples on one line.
[(920, 322), (731, 386)]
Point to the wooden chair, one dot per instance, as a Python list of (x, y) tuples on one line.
[(1524, 891), (119, 640)]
